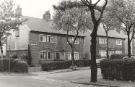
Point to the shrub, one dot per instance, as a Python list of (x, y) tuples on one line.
[(52, 65), (117, 56), (119, 69), (15, 65)]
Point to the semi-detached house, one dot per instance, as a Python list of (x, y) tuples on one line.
[(43, 41)]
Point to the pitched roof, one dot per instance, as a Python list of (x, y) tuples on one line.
[(41, 25), (111, 33)]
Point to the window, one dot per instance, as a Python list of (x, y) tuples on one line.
[(69, 55), (43, 38), (77, 41), (102, 41), (102, 53), (47, 38), (118, 52), (71, 39), (111, 52), (118, 42), (76, 55), (43, 55), (51, 39), (48, 55)]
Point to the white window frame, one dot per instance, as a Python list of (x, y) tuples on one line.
[(118, 42), (102, 53), (102, 40), (76, 55), (118, 51), (44, 37), (44, 55), (69, 56)]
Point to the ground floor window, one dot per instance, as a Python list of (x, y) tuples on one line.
[(102, 53), (118, 52), (111, 53), (76, 56), (47, 55)]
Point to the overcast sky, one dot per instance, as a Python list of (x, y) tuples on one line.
[(36, 8)]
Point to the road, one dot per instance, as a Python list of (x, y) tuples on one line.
[(44, 79)]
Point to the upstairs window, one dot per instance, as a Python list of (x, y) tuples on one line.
[(51, 39), (71, 39), (118, 42), (47, 38), (43, 38), (102, 41)]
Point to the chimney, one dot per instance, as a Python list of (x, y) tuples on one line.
[(47, 16), (18, 11)]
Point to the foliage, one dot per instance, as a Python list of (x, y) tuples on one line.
[(117, 56), (14, 56), (52, 65), (119, 69), (15, 66), (71, 19), (124, 13), (8, 19)]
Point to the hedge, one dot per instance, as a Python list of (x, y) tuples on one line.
[(117, 56), (16, 65), (52, 65), (120, 69)]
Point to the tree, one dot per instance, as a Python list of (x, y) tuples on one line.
[(94, 9), (124, 12), (109, 22), (8, 20), (73, 21)]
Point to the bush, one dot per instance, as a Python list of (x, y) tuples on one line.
[(117, 56), (15, 65), (119, 69), (52, 65)]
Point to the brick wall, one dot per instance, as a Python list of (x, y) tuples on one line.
[(59, 46), (111, 44)]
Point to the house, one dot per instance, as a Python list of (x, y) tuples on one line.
[(44, 43), (117, 43)]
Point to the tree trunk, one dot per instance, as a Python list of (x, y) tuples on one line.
[(129, 46), (107, 53), (2, 64), (72, 56), (93, 54)]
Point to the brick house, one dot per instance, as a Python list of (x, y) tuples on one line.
[(45, 43), (117, 43)]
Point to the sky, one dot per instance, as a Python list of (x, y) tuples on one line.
[(36, 8)]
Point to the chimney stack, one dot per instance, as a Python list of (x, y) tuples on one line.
[(18, 11), (47, 16)]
